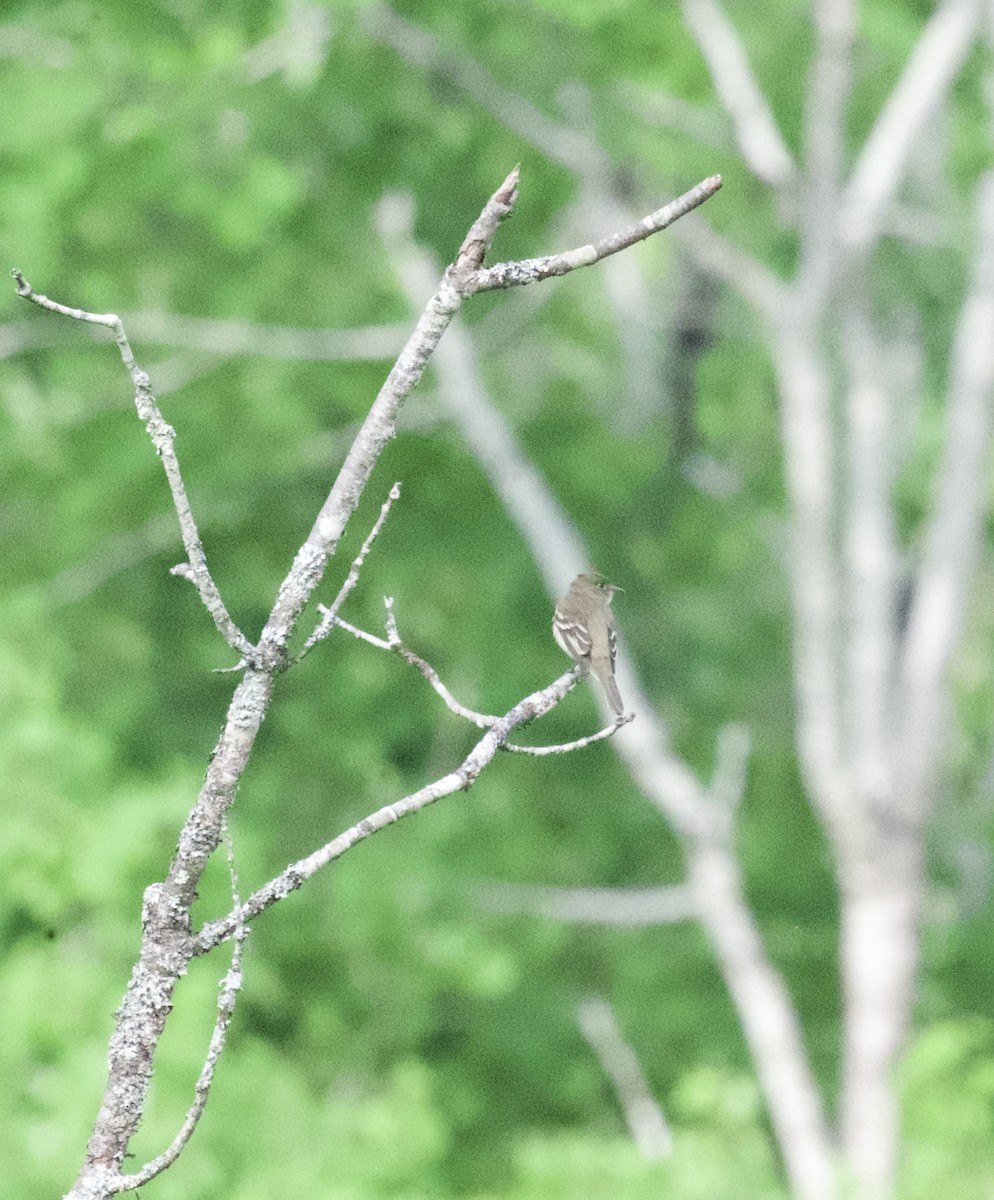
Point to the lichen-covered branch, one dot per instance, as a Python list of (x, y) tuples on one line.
[(168, 942)]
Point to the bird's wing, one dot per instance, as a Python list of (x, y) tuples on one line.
[(571, 636)]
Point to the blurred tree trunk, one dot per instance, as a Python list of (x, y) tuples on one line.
[(872, 697), (871, 687)]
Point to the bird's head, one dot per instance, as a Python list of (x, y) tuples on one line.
[(595, 579)]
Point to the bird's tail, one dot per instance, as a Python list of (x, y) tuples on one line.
[(605, 677)]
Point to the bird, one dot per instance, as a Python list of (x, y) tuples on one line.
[(583, 626)]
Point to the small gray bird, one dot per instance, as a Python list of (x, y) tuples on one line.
[(583, 625)]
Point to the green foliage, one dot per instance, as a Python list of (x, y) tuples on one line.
[(396, 1038), (948, 1085)]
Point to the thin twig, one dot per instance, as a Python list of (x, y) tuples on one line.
[(568, 747), (162, 435), (329, 615), (362, 635), (396, 644), (393, 642), (530, 270)]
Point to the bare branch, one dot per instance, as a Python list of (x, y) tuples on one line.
[(481, 720), (162, 436), (928, 74), (571, 143), (756, 131), (362, 635), (532, 269), (461, 779), (230, 987), (212, 335), (112, 555), (629, 907), (705, 125), (378, 427), (166, 943), (826, 104), (393, 642), (579, 743), (809, 449), (870, 549), (165, 947), (955, 526), (329, 615), (643, 1115), (558, 551), (223, 339), (729, 781)]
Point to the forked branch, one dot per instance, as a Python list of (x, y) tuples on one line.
[(168, 942)]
